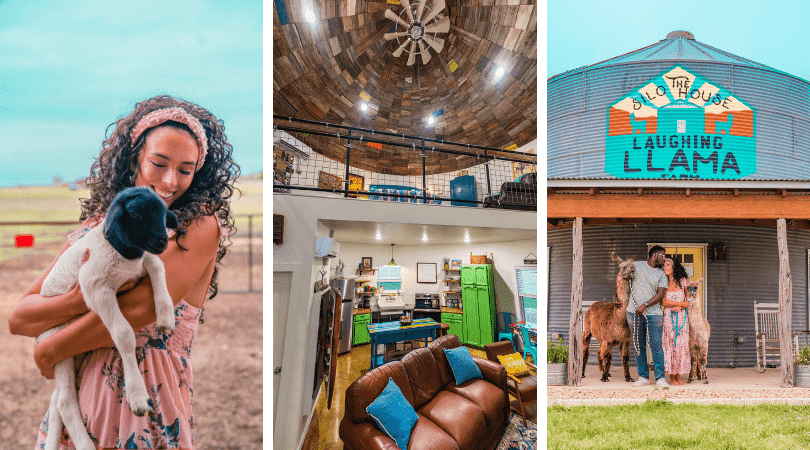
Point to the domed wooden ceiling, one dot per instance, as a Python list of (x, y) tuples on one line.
[(332, 63)]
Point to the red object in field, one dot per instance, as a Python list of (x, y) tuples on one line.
[(24, 240)]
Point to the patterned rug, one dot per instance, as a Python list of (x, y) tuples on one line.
[(518, 437)]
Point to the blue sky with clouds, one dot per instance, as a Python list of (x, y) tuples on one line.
[(774, 32), (70, 69)]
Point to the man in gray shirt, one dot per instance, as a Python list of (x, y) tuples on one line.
[(644, 315)]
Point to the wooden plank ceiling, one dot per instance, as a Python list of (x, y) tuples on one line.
[(320, 70)]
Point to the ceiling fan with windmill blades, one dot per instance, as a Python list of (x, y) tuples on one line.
[(421, 24)]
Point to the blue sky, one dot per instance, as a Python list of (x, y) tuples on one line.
[(70, 69), (584, 32)]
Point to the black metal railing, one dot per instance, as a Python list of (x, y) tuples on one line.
[(320, 158)]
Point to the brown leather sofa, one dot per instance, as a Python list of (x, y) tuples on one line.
[(471, 416)]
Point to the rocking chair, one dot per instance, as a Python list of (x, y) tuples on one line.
[(766, 327)]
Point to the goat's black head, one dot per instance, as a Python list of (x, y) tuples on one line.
[(136, 221)]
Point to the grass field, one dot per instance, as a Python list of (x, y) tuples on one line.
[(664, 425), (60, 204), (54, 203)]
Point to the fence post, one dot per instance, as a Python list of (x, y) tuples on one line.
[(486, 166), (348, 151), (250, 253), (424, 178), (575, 356)]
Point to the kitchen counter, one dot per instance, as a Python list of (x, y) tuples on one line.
[(447, 309), (362, 311)]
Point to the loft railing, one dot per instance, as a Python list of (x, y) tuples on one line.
[(329, 159)]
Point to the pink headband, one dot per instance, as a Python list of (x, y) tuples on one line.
[(175, 114)]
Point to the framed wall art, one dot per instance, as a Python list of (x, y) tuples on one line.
[(426, 273)]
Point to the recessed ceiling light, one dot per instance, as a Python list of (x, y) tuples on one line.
[(499, 73), (431, 120), (309, 15), (466, 239), (424, 238), (379, 237), (364, 106)]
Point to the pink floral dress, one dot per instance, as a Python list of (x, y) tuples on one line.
[(675, 340), (165, 363)]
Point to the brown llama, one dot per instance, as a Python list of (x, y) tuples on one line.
[(699, 332), (607, 322)]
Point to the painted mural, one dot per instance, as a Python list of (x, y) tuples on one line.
[(680, 125)]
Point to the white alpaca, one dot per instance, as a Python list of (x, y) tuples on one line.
[(699, 333), (122, 248)]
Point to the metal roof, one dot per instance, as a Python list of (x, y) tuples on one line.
[(677, 46)]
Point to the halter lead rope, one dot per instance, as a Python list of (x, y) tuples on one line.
[(635, 329), (674, 318)]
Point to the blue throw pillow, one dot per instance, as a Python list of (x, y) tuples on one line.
[(393, 414), (462, 364)]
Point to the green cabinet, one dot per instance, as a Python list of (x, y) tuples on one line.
[(472, 332), (478, 302), (467, 275), (454, 321), (360, 335)]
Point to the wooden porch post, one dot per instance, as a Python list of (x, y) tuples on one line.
[(574, 344), (785, 305)]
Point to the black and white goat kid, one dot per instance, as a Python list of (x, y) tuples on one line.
[(122, 248)]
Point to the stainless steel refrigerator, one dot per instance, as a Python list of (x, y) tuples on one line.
[(346, 288)]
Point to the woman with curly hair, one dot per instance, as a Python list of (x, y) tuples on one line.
[(675, 338), (179, 150)]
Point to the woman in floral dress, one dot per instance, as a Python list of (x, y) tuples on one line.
[(676, 326), (179, 150)]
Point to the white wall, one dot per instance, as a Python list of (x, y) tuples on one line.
[(301, 227), (506, 255)]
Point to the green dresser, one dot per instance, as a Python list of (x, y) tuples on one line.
[(478, 302), (454, 321), (360, 335)]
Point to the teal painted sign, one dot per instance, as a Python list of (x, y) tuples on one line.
[(680, 125)]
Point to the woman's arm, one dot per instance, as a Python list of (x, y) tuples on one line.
[(684, 282), (184, 269), (667, 303), (35, 313), (676, 306)]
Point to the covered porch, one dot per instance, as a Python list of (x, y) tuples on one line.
[(781, 206)]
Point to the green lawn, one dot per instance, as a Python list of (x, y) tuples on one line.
[(664, 425)]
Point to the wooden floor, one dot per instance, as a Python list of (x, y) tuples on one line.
[(323, 429)]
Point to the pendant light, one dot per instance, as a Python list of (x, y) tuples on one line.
[(392, 263)]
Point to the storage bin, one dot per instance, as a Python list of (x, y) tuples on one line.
[(478, 259), (463, 188)]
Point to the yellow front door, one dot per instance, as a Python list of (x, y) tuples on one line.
[(691, 258)]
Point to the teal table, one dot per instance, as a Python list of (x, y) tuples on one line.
[(392, 332)]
